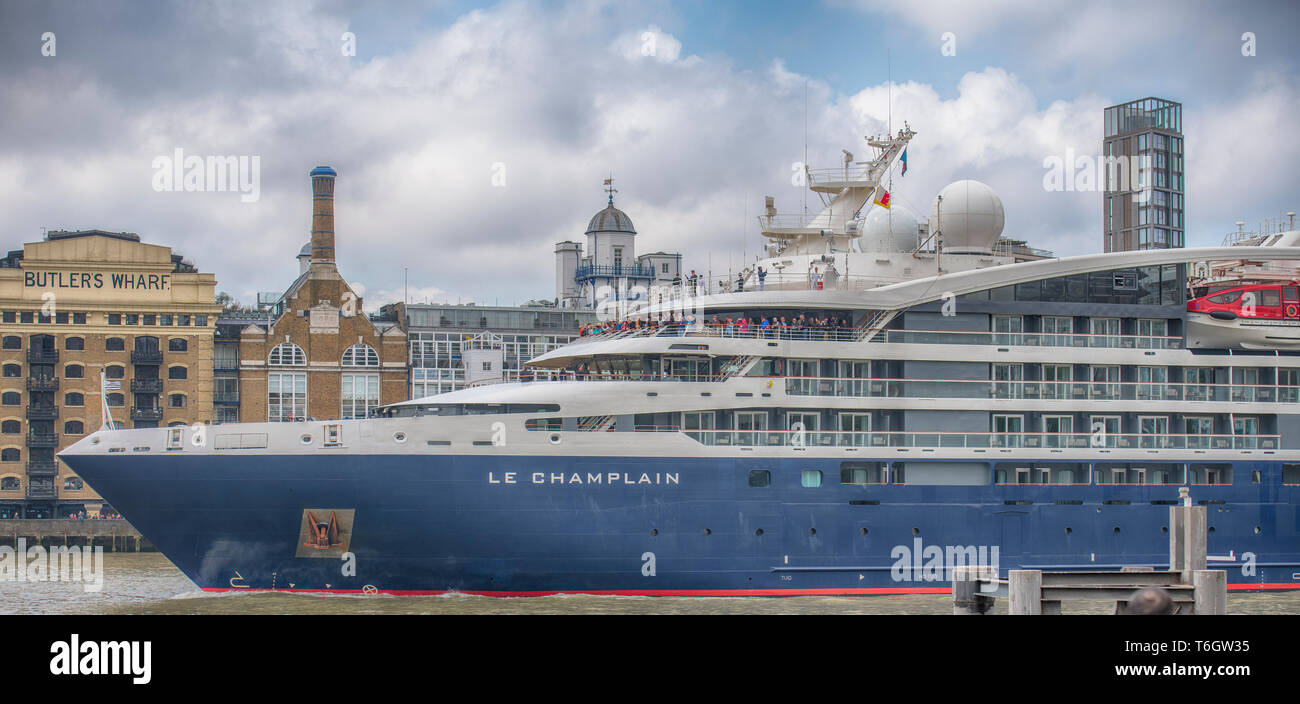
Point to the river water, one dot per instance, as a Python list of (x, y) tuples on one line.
[(147, 583)]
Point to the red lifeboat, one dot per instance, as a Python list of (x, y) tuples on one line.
[(1253, 301)]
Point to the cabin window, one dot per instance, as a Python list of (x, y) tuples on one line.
[(1225, 298), (332, 435), (862, 473), (760, 477), (1270, 297), (811, 478)]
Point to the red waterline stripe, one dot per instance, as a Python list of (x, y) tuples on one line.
[(620, 592), (686, 592)]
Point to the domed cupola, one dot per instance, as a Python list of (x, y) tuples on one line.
[(610, 219)]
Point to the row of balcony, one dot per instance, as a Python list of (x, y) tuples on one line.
[(51, 412), (46, 355), (48, 384)]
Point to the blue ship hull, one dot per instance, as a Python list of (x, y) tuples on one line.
[(526, 526)]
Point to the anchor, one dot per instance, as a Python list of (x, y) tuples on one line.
[(324, 534)]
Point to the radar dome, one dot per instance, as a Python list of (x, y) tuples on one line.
[(969, 214), (892, 230)]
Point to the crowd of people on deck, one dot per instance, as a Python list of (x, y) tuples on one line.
[(800, 327)]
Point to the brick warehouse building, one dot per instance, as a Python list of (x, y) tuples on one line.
[(71, 306), (322, 357)]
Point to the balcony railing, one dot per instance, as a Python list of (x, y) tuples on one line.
[(958, 440), (709, 328), (146, 386), (41, 412), (1039, 390), (146, 357), (634, 271), (40, 468), (42, 355), (42, 383), (42, 440), (40, 491), (146, 413)]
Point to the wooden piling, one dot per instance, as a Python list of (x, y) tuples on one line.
[(1026, 593), (1210, 595)]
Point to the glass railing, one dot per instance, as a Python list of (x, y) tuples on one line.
[(939, 439), (939, 337), (1039, 390)]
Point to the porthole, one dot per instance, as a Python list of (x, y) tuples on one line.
[(1117, 530), (1164, 529), (94, 440), (708, 532), (1256, 530), (654, 531), (916, 531), (1211, 529), (1068, 530), (555, 438), (306, 439), (862, 532), (812, 531), (399, 437), (758, 532)]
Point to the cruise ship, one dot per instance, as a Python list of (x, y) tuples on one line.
[(902, 398)]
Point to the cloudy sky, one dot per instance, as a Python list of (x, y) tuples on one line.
[(470, 137)]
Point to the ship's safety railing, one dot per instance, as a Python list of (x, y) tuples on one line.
[(1039, 390), (938, 337), (1029, 339), (772, 332), (994, 440), (570, 375)]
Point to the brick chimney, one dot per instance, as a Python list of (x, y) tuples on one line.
[(322, 214)]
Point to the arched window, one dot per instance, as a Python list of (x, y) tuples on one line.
[(177, 344), (10, 484), (13, 342), (177, 400), (287, 354), (11, 454), (114, 344), (115, 372), (11, 426), (74, 343), (116, 400), (177, 373), (74, 399), (360, 355), (74, 371), (13, 371), (11, 398), (74, 427)]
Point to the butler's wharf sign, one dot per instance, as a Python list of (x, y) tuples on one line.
[(124, 281)]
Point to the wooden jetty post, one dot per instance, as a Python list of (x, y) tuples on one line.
[(1191, 587)]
